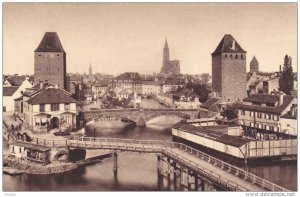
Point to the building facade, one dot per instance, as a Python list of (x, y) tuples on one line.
[(229, 70), (50, 108), (50, 61), (263, 115)]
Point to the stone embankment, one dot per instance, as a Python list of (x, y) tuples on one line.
[(34, 168)]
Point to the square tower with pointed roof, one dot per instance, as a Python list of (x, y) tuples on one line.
[(229, 70), (50, 61)]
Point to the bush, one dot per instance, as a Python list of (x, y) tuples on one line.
[(61, 133)]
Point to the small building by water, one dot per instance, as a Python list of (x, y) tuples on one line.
[(30, 152)]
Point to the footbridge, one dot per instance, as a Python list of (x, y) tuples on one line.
[(139, 116), (196, 169)]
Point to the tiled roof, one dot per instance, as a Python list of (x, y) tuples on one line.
[(185, 92), (16, 80), (289, 116), (51, 95), (217, 133), (254, 63), (287, 99), (226, 46), (9, 91), (50, 43), (209, 103), (174, 81), (134, 76), (262, 98)]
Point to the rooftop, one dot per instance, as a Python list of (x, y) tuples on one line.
[(32, 146), (9, 91), (216, 133), (134, 76), (287, 99), (49, 95), (228, 45), (50, 43)]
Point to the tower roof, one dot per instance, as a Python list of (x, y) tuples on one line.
[(166, 44), (50, 43), (228, 45), (254, 63)]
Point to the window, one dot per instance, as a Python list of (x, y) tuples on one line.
[(20, 149), (67, 106), (55, 107), (275, 117), (236, 56), (225, 55), (251, 113), (243, 112), (37, 122), (231, 56), (42, 107), (242, 57), (259, 115)]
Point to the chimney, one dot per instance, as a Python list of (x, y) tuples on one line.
[(292, 113), (41, 85), (280, 99)]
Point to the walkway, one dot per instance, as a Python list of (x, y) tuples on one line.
[(212, 168)]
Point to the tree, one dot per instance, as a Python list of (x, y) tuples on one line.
[(202, 91), (286, 80), (231, 111)]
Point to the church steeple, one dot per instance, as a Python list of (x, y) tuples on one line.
[(166, 44)]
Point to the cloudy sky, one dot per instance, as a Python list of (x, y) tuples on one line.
[(119, 37)]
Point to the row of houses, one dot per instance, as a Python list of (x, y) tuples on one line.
[(131, 82), (261, 116)]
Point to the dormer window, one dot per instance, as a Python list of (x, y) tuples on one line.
[(48, 46)]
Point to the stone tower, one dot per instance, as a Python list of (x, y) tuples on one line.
[(254, 65), (229, 70), (50, 61), (90, 71)]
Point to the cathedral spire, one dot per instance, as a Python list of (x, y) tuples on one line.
[(166, 44)]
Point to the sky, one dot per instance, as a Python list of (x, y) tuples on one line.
[(119, 37)]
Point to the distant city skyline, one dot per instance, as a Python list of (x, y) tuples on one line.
[(129, 37)]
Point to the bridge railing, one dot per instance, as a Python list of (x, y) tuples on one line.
[(166, 146), (193, 165), (231, 169)]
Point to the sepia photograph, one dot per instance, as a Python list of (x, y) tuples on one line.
[(127, 97)]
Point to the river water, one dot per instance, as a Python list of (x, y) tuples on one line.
[(136, 171)]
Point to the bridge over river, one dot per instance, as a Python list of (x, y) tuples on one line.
[(141, 115), (193, 166)]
